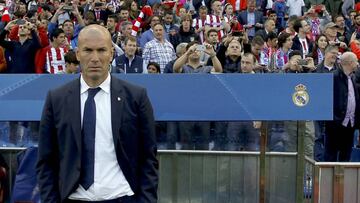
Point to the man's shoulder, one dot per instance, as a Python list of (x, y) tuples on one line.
[(67, 86)]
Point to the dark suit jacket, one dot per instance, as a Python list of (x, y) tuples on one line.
[(259, 18), (320, 68), (262, 34), (121, 61), (341, 97), (297, 45), (103, 15), (59, 163)]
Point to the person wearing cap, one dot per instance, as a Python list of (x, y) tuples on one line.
[(330, 31)]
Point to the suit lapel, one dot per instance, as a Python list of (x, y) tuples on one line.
[(74, 106), (117, 103)]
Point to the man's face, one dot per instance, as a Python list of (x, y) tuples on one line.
[(339, 21), (216, 7), (159, 32), (213, 38), (168, 19), (22, 8), (195, 55), (130, 48), (331, 32), (68, 28), (234, 49), (127, 30), (24, 30), (331, 56), (247, 64), (60, 39), (186, 25), (256, 49), (305, 26), (273, 17), (294, 62), (352, 16), (357, 20), (124, 14), (270, 26), (251, 6), (95, 53), (110, 24), (154, 20), (202, 13)]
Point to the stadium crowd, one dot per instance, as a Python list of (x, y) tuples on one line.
[(193, 36)]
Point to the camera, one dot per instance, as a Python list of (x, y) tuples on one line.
[(302, 62), (200, 48), (67, 8)]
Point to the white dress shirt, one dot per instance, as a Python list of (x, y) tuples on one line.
[(109, 180)]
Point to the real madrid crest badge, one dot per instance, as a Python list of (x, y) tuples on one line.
[(300, 96)]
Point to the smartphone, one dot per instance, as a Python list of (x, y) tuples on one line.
[(200, 48), (98, 4), (237, 34), (67, 8), (302, 62)]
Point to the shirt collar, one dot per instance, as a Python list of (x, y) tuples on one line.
[(104, 85)]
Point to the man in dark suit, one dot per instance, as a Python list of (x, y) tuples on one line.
[(97, 135), (339, 133), (269, 26), (129, 62), (251, 19), (99, 12), (300, 41)]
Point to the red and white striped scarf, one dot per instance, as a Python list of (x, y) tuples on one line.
[(145, 11), (55, 61)]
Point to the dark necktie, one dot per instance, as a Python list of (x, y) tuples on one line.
[(88, 140)]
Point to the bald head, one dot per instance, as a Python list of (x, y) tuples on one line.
[(349, 62), (347, 56), (90, 32)]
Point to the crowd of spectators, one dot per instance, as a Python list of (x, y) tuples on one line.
[(193, 36)]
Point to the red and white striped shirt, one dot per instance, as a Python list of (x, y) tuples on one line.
[(55, 60), (215, 21), (197, 24)]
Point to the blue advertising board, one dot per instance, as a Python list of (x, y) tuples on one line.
[(192, 97)]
